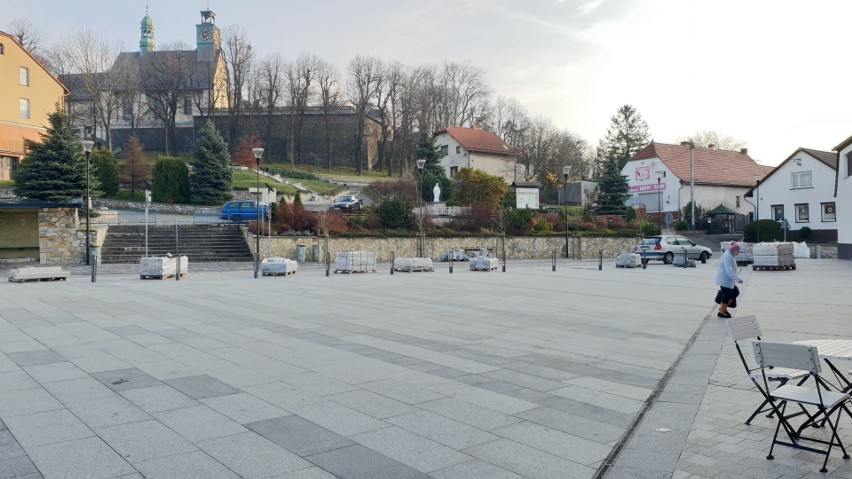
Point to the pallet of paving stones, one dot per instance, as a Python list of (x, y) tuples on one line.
[(773, 257), (348, 262), (789, 267), (164, 267), (278, 267), (413, 265), (38, 273), (483, 264), (628, 260)]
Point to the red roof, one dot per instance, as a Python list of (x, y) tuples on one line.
[(478, 140), (712, 166)]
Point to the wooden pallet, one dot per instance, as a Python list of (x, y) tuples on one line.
[(288, 273), (484, 269), (414, 269), (773, 268), (35, 280), (350, 271), (159, 276)]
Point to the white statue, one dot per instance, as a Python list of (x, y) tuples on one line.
[(437, 192)]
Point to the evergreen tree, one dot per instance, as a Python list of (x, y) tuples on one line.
[(211, 178), (613, 190), (427, 150), (55, 168), (171, 181), (135, 171), (105, 167), (627, 134)]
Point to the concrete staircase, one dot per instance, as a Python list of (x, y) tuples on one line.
[(201, 243)]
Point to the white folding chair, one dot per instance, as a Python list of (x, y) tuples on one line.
[(770, 354), (746, 327)]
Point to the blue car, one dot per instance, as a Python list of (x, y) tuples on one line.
[(242, 210)]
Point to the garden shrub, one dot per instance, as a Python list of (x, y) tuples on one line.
[(681, 225), (763, 230), (394, 214), (805, 233)]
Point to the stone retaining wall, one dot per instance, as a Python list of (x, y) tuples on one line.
[(522, 247)]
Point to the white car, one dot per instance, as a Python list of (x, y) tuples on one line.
[(665, 247)]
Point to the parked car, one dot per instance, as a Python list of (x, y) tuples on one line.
[(665, 247), (241, 210), (347, 203)]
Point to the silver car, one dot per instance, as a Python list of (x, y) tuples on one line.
[(665, 247)]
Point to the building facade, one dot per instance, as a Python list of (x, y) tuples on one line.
[(843, 197), (29, 93), (799, 193), (659, 178), (475, 148)]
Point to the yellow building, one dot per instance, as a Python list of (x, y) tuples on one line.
[(28, 94)]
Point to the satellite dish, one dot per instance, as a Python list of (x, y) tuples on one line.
[(635, 198)]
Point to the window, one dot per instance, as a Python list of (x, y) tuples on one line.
[(458, 150), (828, 212), (187, 105), (453, 170), (738, 201), (802, 213), (849, 164), (25, 108), (25, 76), (802, 179), (444, 150), (2, 49), (777, 212), (126, 110)]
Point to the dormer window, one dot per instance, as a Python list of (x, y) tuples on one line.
[(802, 179)]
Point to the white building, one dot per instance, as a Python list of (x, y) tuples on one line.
[(843, 196), (800, 191), (477, 149), (660, 175)]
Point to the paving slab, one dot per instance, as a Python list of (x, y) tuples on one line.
[(498, 378)]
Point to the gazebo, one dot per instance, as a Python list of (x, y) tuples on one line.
[(721, 220)]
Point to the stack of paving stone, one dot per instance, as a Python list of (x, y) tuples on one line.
[(277, 266), (354, 262), (162, 267), (773, 256), (410, 265)]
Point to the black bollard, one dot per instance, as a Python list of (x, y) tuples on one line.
[(94, 261), (644, 261), (451, 263), (553, 260), (600, 260), (327, 262), (393, 257)]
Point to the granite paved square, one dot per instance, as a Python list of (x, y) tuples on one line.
[(299, 435), (201, 387)]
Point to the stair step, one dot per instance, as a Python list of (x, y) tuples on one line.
[(201, 243)]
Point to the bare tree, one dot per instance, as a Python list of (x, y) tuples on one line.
[(387, 85), (126, 73), (406, 109), (300, 77), (363, 73), (165, 79), (27, 34), (92, 58), (238, 56), (714, 139), (329, 95), (465, 94), (270, 90)]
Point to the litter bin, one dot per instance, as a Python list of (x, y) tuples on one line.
[(300, 253), (314, 253), (95, 251)]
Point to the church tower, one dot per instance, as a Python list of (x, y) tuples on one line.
[(146, 40), (207, 37)]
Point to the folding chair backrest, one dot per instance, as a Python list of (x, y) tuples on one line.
[(744, 327), (769, 354)]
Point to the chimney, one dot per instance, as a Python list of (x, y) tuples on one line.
[(711, 146), (744, 151)]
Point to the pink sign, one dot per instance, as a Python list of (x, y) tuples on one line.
[(642, 173), (651, 187)]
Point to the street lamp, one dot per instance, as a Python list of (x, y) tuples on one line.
[(659, 201), (420, 164), (87, 147), (566, 170), (757, 211), (258, 153), (691, 183)]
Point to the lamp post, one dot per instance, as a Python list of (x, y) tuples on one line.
[(566, 170), (420, 164), (87, 147), (691, 183), (659, 201), (258, 153), (757, 211)]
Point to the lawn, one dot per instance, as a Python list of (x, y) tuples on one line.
[(7, 183)]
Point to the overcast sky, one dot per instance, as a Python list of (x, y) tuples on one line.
[(774, 73)]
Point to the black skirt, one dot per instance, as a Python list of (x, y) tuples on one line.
[(727, 294)]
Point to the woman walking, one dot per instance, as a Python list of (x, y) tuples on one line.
[(727, 279)]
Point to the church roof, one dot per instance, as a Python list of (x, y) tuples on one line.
[(183, 65)]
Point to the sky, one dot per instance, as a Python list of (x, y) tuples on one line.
[(772, 73)]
